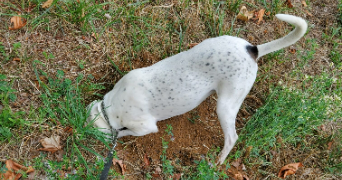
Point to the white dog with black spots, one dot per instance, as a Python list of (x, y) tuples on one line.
[(226, 65)]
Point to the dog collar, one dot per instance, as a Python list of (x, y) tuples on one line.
[(104, 113)]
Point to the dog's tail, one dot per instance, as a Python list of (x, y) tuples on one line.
[(286, 41)]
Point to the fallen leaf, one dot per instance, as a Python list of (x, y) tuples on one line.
[(289, 169), (155, 175), (261, 13), (51, 144), (329, 145), (12, 168), (18, 22), (122, 166), (68, 129), (304, 3), (16, 59), (244, 15), (176, 176), (268, 13), (94, 35), (191, 45), (236, 174), (289, 3), (47, 4), (146, 161), (292, 51)]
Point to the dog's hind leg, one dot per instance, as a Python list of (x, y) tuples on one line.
[(229, 100)]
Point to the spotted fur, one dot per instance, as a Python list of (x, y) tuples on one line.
[(225, 65)]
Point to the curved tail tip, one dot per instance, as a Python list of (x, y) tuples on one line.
[(287, 18), (294, 20), (282, 16)]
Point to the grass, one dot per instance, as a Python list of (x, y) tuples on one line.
[(292, 112), (168, 169), (63, 104), (8, 118)]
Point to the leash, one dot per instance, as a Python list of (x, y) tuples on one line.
[(109, 159)]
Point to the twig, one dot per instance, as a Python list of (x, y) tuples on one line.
[(34, 86)]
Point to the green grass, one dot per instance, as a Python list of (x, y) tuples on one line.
[(168, 169), (290, 115), (63, 103), (9, 119), (207, 169), (7, 56)]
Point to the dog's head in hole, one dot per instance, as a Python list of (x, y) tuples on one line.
[(223, 65)]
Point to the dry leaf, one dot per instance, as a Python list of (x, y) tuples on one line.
[(244, 15), (146, 161), (47, 4), (94, 35), (12, 168), (236, 174), (16, 59), (289, 3), (122, 166), (176, 176), (329, 145), (289, 169), (304, 3), (18, 22), (51, 144), (292, 51), (68, 129), (260, 15), (155, 175)]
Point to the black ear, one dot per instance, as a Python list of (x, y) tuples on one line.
[(253, 51)]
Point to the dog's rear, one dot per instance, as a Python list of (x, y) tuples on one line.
[(300, 28), (228, 104)]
